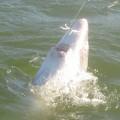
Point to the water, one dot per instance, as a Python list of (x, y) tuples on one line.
[(28, 29)]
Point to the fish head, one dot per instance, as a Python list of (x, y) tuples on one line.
[(70, 55), (74, 45)]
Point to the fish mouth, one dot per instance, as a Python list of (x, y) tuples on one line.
[(63, 47), (81, 24)]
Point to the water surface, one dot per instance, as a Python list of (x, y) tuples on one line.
[(28, 30)]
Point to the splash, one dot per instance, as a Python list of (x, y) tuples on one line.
[(113, 4), (82, 91)]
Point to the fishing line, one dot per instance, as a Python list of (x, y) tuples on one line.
[(72, 22), (79, 12)]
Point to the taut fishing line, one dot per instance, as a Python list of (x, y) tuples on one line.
[(72, 22)]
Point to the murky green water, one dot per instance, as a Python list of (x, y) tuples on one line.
[(28, 29)]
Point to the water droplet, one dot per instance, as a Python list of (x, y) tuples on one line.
[(8, 71)]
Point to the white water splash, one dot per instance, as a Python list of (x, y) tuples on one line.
[(83, 90), (113, 4)]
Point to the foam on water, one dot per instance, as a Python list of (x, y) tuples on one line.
[(82, 91)]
